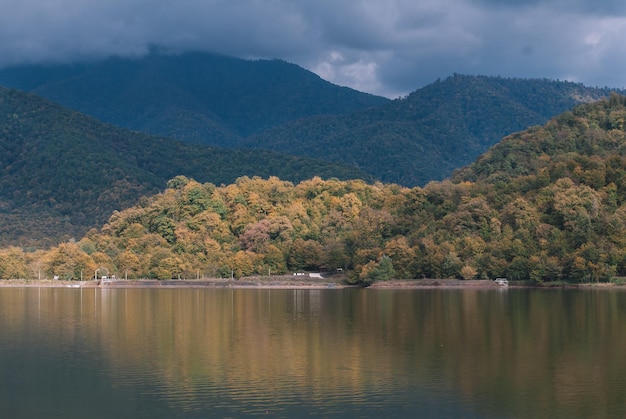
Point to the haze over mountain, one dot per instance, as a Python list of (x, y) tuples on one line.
[(274, 105), (62, 172)]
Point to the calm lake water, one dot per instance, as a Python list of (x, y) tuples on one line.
[(196, 353)]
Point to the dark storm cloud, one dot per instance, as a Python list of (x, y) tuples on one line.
[(387, 47)]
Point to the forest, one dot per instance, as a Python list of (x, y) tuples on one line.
[(546, 204)]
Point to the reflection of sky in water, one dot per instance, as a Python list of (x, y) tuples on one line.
[(298, 353)]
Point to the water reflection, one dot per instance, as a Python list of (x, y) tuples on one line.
[(341, 353)]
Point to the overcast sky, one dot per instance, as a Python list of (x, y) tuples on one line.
[(386, 47)]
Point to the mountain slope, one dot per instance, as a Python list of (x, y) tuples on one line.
[(586, 144), (546, 204), (433, 131), (62, 172), (194, 97), (273, 105)]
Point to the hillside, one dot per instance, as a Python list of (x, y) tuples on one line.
[(585, 144), (274, 105), (544, 205), (433, 131), (194, 97), (62, 172)]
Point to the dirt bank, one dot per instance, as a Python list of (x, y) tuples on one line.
[(434, 283), (286, 282)]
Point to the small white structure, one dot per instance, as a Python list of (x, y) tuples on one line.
[(309, 274), (503, 282)]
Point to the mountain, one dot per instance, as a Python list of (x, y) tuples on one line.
[(546, 204), (62, 172), (431, 132), (194, 97), (277, 106)]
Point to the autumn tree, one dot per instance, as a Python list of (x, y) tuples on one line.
[(13, 264), (68, 262)]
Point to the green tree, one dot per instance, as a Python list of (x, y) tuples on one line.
[(381, 270)]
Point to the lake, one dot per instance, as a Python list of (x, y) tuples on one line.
[(349, 353)]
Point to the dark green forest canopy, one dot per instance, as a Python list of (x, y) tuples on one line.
[(546, 204), (194, 97)]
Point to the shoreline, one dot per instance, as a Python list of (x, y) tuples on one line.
[(288, 282), (254, 282)]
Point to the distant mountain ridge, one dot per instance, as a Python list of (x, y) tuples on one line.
[(195, 97), (273, 105)]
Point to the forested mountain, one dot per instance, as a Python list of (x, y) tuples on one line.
[(545, 204), (194, 97), (433, 131), (62, 172), (274, 105)]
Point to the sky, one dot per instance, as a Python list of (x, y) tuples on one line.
[(384, 47)]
